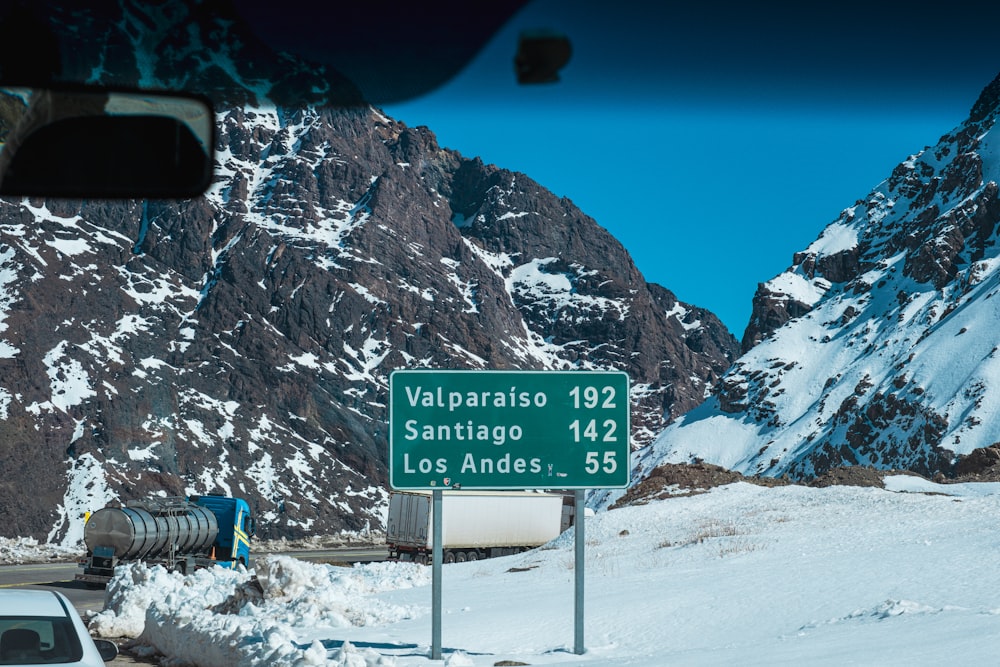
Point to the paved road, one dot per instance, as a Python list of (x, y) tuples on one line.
[(53, 576), (60, 577)]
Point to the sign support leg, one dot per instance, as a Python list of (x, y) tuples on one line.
[(437, 557), (578, 512)]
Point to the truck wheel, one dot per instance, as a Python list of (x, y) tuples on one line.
[(460, 557), (449, 556)]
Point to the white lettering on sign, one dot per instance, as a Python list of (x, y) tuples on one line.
[(453, 400), (509, 429), (424, 465), (468, 432), (592, 397), (502, 466)]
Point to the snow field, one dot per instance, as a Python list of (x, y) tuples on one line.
[(740, 575)]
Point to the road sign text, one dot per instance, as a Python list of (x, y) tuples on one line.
[(508, 429)]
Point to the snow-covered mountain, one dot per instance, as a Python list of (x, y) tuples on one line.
[(879, 345), (241, 342)]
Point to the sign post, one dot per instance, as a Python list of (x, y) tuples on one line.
[(579, 540), (436, 560), (508, 430)]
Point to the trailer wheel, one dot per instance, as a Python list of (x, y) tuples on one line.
[(473, 555), (181, 567), (460, 557), (449, 556)]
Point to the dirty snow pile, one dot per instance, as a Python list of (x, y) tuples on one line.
[(28, 550), (222, 617), (740, 575)]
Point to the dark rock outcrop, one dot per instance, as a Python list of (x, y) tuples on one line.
[(241, 342)]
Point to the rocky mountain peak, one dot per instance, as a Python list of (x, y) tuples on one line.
[(877, 346), (987, 104), (927, 183)]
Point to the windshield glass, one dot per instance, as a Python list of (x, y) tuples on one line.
[(38, 640)]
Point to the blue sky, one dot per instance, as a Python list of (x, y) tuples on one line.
[(716, 140)]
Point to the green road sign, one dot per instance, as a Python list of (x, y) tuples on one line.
[(508, 429)]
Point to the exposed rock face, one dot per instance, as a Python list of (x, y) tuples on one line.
[(771, 309), (877, 347), (241, 342)]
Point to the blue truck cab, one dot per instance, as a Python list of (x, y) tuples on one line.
[(232, 545)]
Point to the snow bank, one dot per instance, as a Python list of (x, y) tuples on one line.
[(27, 550), (741, 575), (217, 617)]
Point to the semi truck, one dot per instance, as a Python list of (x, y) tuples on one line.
[(181, 534), (474, 524)]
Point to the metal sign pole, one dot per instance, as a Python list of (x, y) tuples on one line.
[(437, 559), (578, 520)]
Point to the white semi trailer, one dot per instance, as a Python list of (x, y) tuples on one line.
[(475, 524)]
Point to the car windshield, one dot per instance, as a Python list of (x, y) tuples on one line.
[(777, 231), (38, 640)]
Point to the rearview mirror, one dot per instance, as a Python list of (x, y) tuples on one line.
[(95, 143)]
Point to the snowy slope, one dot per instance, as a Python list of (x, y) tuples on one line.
[(891, 360), (741, 575)]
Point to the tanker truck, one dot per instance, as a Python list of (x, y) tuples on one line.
[(181, 534)]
